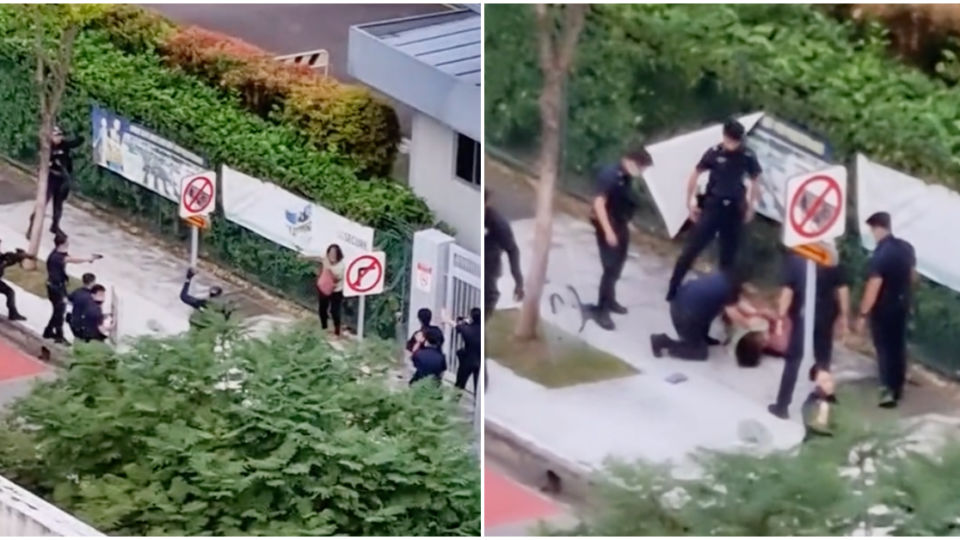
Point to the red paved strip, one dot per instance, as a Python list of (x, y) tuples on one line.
[(506, 501), (15, 364)]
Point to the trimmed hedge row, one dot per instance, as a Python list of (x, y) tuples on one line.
[(185, 110), (648, 71), (334, 116)]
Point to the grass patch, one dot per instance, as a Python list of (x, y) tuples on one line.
[(34, 281), (558, 359)]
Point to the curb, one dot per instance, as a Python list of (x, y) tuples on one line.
[(34, 345), (534, 462)]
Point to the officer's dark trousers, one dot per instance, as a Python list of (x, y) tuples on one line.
[(692, 333), (7, 291), (468, 367), (58, 300), (822, 352), (889, 330), (490, 297), (57, 191), (612, 259), (723, 217)]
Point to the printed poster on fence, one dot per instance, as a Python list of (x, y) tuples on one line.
[(289, 220), (140, 156)]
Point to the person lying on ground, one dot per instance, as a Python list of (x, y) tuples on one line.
[(818, 417), (9, 259), (429, 360), (757, 315), (696, 305), (214, 301)]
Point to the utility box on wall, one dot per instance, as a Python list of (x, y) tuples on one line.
[(427, 274)]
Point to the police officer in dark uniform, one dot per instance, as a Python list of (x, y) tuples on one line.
[(498, 238), (58, 180), (213, 302), (612, 209), (94, 325), (57, 285), (830, 320), (469, 355), (886, 303), (9, 259), (725, 207), (79, 300), (429, 360)]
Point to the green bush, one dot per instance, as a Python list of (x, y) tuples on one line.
[(183, 109), (283, 436), (645, 72)]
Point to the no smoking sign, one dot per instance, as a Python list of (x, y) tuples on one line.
[(364, 274), (816, 207), (198, 195)]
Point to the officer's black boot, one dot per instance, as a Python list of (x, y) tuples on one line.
[(602, 316), (616, 307), (657, 343)]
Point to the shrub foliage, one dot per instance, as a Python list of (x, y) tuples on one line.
[(649, 71), (282, 436)]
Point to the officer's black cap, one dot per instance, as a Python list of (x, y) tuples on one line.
[(880, 220), (732, 129)]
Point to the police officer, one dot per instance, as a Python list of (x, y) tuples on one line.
[(9, 259), (613, 206), (886, 303), (213, 302), (469, 355), (726, 205), (79, 300), (57, 285), (94, 325), (419, 337), (498, 238), (58, 180), (429, 360), (830, 319)]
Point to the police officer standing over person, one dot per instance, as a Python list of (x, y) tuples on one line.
[(59, 178), (830, 319), (79, 299), (9, 259), (886, 304), (94, 325), (611, 211), (57, 285), (726, 205)]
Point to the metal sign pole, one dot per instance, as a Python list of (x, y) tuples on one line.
[(809, 310), (194, 245), (360, 316)]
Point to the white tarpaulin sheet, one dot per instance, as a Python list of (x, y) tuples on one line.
[(289, 220), (923, 214), (673, 161)]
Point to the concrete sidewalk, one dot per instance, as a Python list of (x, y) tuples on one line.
[(720, 406), (144, 273)]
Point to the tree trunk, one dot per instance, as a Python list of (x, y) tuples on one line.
[(555, 59), (40, 202)]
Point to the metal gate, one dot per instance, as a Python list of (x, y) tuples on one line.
[(462, 294)]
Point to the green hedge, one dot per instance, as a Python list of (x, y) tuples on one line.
[(645, 72), (183, 109), (313, 442)]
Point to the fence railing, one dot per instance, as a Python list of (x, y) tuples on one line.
[(24, 514)]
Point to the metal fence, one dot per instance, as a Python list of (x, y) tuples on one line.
[(24, 514), (462, 293)]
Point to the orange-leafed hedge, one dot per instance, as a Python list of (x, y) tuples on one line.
[(344, 118)]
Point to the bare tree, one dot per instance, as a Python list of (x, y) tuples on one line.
[(50, 31), (558, 30)]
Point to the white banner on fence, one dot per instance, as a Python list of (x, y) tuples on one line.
[(926, 215), (289, 220), (141, 156), (673, 161)]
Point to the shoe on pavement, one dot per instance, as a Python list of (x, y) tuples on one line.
[(16, 316), (712, 342), (603, 319), (61, 341), (779, 412), (48, 334), (657, 344), (618, 308), (887, 399)]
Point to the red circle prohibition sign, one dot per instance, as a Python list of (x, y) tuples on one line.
[(799, 225), (371, 265), (192, 195)]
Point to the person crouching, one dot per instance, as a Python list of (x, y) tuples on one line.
[(429, 360)]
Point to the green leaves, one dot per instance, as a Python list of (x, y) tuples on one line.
[(309, 446)]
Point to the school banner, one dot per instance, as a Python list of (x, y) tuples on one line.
[(926, 215), (140, 156), (287, 219)]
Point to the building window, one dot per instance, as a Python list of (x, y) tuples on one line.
[(468, 159)]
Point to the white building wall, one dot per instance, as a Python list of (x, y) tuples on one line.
[(433, 177)]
